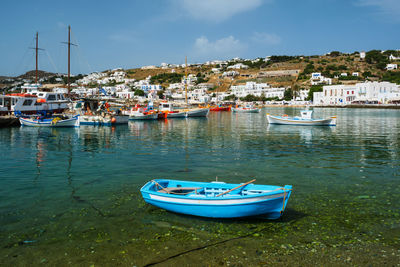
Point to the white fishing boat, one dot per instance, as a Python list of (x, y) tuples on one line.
[(142, 114), (246, 109), (197, 112), (304, 119), (53, 121), (170, 112), (32, 103)]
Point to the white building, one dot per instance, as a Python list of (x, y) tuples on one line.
[(257, 89), (317, 78), (362, 55), (238, 66), (367, 92), (391, 57), (391, 66), (126, 94)]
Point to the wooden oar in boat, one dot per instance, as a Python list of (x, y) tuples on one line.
[(226, 192)]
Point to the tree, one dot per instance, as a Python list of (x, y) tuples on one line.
[(334, 53), (230, 97), (160, 94), (295, 91), (288, 94), (313, 89), (376, 57), (139, 92)]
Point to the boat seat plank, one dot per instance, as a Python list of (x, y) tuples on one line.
[(179, 190)]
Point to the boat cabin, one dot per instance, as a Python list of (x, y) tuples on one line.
[(306, 114), (166, 106)]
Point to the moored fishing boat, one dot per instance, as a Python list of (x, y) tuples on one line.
[(305, 119), (143, 114), (217, 199), (220, 108), (52, 121), (197, 112), (168, 109), (246, 109)]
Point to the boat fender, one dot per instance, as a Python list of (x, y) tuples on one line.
[(55, 120), (113, 120), (285, 115)]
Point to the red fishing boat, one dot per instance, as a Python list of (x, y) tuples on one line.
[(221, 108)]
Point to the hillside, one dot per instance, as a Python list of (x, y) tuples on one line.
[(275, 71)]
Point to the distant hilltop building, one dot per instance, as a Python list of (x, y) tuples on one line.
[(238, 66), (148, 67), (362, 55), (391, 57), (317, 78), (391, 66)]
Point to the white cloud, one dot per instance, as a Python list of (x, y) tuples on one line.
[(228, 47), (217, 10), (266, 38), (385, 7), (123, 37)]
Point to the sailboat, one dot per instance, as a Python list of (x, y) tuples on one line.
[(193, 112), (32, 100)]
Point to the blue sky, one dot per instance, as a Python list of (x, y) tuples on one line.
[(130, 34)]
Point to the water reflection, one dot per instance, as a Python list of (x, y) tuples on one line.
[(305, 133)]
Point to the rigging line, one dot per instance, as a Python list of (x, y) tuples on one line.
[(48, 55), (51, 61), (18, 67), (80, 54)]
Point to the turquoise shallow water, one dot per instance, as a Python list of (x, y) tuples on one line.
[(71, 196)]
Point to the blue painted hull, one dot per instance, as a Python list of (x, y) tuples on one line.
[(251, 200)]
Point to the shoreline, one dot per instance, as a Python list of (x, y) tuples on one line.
[(374, 106)]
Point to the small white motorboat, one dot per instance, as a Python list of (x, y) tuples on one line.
[(246, 109), (305, 119)]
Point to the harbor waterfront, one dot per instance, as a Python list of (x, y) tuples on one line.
[(70, 196)]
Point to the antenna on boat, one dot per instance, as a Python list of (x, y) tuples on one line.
[(37, 57), (216, 178), (186, 98), (69, 56)]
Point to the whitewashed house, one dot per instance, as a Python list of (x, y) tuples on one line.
[(257, 89), (317, 78), (366, 92), (391, 66), (238, 66), (391, 57)]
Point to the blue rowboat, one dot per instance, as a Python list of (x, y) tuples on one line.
[(217, 199)]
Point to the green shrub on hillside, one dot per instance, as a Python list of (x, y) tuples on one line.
[(392, 76), (166, 78)]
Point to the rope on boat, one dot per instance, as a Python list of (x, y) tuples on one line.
[(171, 192), (158, 185)]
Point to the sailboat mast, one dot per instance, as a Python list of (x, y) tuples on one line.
[(69, 53), (186, 98), (36, 49)]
